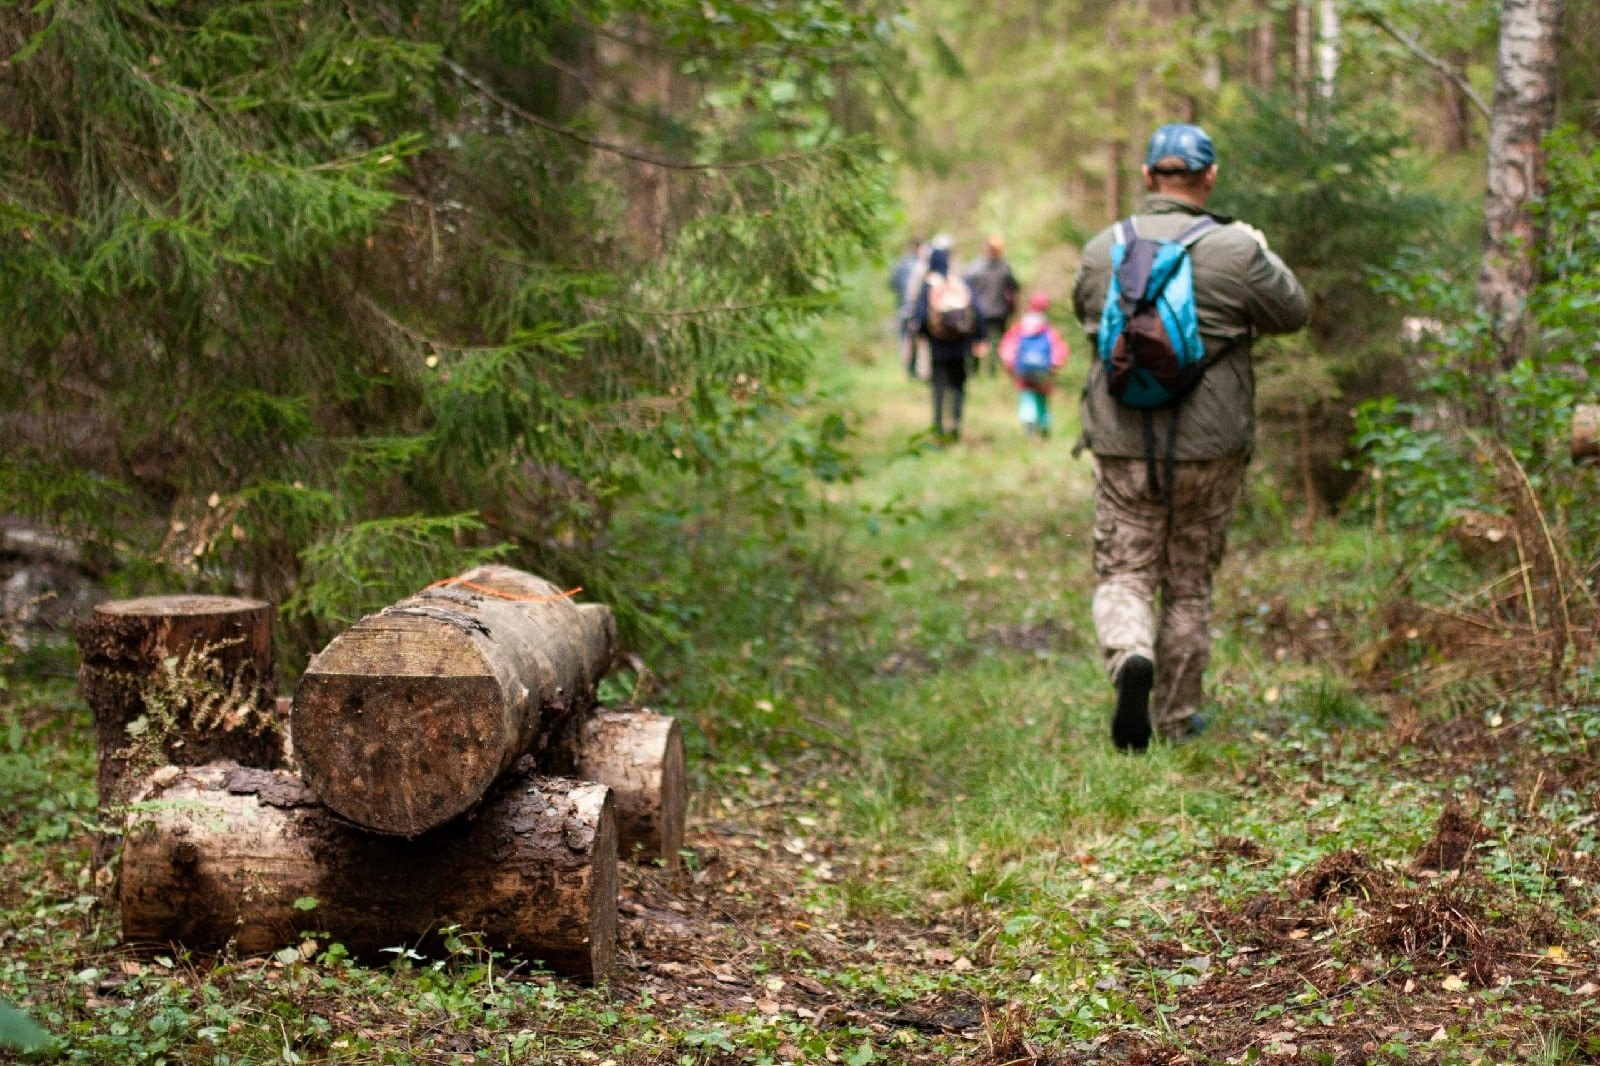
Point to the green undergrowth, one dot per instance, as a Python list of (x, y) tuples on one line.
[(886, 649)]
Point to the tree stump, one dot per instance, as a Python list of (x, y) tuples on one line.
[(1586, 433), (405, 720), (183, 680), (221, 854), (639, 756)]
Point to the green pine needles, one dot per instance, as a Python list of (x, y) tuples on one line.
[(322, 301)]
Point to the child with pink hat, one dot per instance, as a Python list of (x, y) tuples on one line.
[(1033, 350)]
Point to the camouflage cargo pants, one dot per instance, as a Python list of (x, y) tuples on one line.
[(1145, 548)]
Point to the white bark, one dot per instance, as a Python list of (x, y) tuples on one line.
[(1524, 110), (1330, 43)]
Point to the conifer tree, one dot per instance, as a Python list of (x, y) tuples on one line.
[(322, 301)]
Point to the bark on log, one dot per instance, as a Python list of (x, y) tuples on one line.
[(219, 854), (405, 720), (196, 669), (639, 756), (1586, 432)]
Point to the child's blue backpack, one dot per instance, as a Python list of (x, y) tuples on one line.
[(1149, 339), (1034, 360)]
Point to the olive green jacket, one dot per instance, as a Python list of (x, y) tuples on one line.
[(1241, 291)]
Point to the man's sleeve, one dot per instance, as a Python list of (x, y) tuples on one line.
[(1094, 275), (1273, 297)]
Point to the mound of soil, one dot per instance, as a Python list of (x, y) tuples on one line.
[(1455, 836)]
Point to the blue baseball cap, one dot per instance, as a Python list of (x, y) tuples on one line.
[(1183, 141)]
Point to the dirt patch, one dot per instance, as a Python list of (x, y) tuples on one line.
[(1035, 638), (1230, 848), (1343, 873), (1451, 847)]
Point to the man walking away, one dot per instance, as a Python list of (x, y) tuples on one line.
[(1166, 479), (947, 315), (995, 289)]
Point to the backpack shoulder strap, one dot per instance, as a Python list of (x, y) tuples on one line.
[(1197, 229), (1125, 232)]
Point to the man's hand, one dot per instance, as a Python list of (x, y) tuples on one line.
[(1255, 234)]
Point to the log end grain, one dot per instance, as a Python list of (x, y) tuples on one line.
[(399, 725), (195, 673), (1586, 433), (639, 755)]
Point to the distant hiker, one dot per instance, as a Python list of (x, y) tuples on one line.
[(1033, 350), (995, 288), (899, 282), (912, 345), (948, 317), (1168, 411)]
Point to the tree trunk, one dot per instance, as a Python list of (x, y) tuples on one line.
[(1330, 42), (1457, 108), (1524, 110), (405, 720), (639, 756), (1586, 432), (220, 855), (1266, 47), (1302, 60), (178, 679)]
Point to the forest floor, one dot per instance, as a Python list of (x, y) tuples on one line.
[(909, 840)]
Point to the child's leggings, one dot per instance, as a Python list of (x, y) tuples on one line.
[(1033, 409)]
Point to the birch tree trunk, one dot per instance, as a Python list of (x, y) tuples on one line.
[(1330, 42), (1524, 111)]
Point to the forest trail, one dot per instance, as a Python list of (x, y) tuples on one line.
[(910, 840)]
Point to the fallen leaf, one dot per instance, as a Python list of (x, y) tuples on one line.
[(1454, 984)]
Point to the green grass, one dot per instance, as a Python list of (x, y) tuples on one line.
[(911, 677)]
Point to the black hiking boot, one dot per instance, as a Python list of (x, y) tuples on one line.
[(1130, 726)]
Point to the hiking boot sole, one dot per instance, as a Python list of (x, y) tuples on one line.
[(1130, 726)]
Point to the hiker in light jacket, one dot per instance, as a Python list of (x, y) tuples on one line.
[(900, 275), (1167, 544), (948, 356)]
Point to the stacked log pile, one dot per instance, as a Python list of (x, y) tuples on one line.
[(455, 769)]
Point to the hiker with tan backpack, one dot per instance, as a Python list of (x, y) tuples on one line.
[(948, 316)]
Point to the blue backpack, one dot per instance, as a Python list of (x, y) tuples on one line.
[(1149, 339), (1034, 358)]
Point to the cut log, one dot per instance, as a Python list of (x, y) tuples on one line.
[(1586, 433), (191, 676), (639, 755), (406, 719), (219, 855)]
